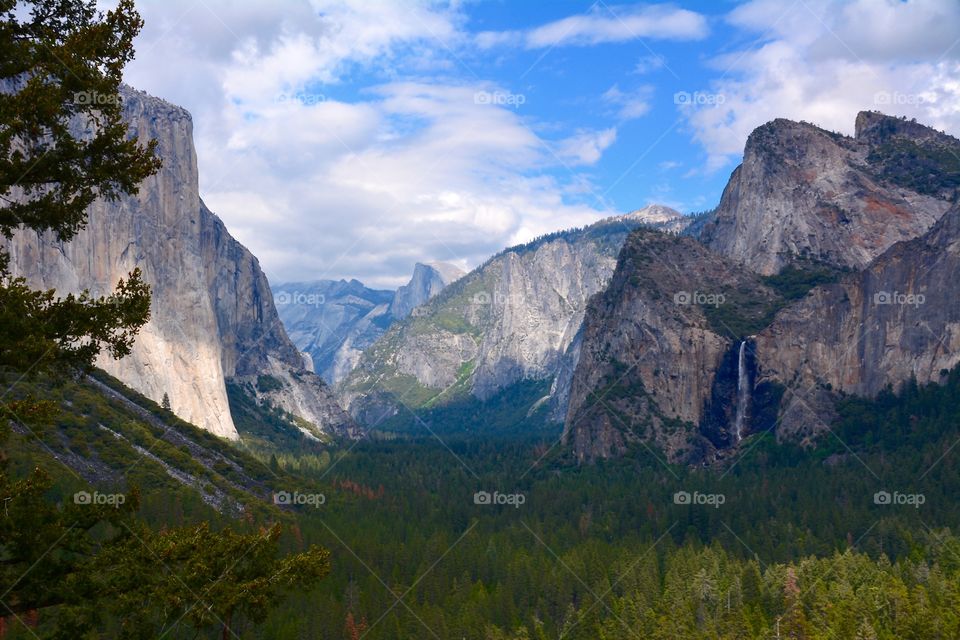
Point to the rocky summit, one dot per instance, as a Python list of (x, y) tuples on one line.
[(806, 194), (829, 268), (427, 281), (333, 321)]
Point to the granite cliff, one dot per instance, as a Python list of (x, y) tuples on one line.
[(803, 193), (653, 344), (895, 321), (827, 268), (212, 314)]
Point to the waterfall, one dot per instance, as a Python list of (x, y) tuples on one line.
[(743, 391)]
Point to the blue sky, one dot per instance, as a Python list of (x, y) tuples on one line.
[(353, 138)]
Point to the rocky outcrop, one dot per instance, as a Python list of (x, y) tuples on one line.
[(513, 318), (427, 281), (803, 193), (653, 343), (897, 320), (255, 343), (212, 315), (333, 321), (868, 219)]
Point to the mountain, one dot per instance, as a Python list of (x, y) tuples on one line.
[(212, 314), (806, 194), (653, 344), (514, 318), (333, 321), (896, 321), (695, 346), (427, 281)]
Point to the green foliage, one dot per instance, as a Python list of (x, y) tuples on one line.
[(109, 562), (65, 62), (799, 538), (263, 427), (268, 383), (744, 313), (797, 279), (932, 169), (62, 63), (43, 334), (89, 567), (512, 411), (202, 579)]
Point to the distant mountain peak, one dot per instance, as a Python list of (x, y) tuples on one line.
[(655, 213), (428, 280)]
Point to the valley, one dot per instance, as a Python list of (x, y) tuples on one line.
[(473, 368)]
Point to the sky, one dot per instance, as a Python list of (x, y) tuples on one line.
[(354, 138)]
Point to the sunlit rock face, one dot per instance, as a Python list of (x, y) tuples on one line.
[(212, 314)]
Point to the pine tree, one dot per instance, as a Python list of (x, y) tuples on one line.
[(165, 403), (61, 62)]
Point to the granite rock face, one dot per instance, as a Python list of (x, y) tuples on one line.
[(803, 193), (427, 281), (872, 220), (652, 345), (212, 314), (513, 318), (897, 320), (334, 321)]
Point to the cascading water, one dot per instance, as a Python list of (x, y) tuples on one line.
[(743, 391)]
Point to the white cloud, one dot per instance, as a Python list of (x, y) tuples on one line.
[(604, 23), (824, 60), (322, 177), (586, 147), (417, 171), (630, 104)]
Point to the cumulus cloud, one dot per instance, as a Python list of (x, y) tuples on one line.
[(823, 61), (604, 23), (324, 177)]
